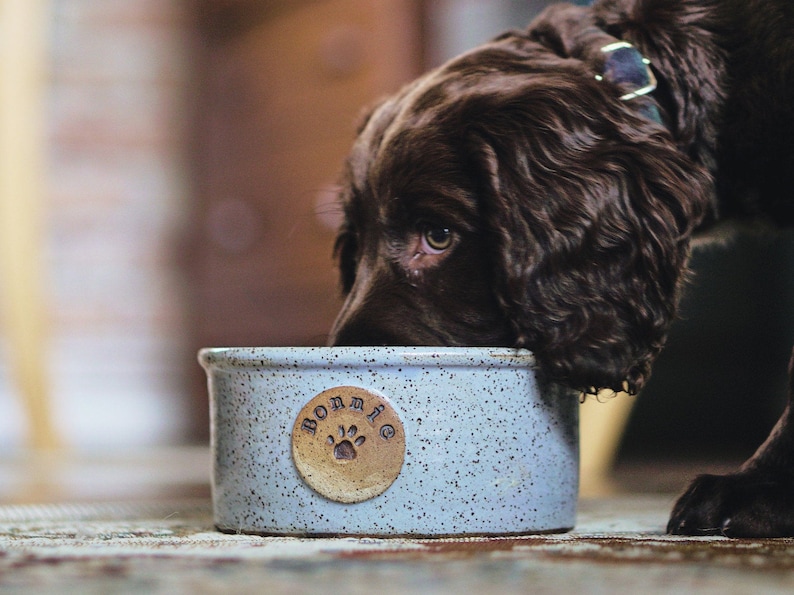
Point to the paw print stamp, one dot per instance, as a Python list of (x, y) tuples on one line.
[(345, 450), (348, 444)]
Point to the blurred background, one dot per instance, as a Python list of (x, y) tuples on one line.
[(167, 182)]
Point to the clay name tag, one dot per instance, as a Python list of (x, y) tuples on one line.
[(348, 444)]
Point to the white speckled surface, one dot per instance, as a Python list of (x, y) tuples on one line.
[(487, 452)]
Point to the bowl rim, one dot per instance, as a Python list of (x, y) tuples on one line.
[(377, 356)]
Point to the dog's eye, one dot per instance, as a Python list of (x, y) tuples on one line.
[(436, 239)]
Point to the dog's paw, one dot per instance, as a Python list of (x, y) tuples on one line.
[(749, 504)]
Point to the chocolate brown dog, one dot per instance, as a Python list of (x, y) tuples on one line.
[(544, 191)]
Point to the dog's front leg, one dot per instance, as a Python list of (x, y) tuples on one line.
[(756, 501)]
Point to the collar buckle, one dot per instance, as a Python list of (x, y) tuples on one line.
[(626, 67)]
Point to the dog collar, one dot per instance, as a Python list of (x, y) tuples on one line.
[(627, 68)]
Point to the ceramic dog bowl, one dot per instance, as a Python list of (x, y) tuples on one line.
[(389, 441)]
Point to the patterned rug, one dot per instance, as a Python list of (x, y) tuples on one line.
[(172, 547)]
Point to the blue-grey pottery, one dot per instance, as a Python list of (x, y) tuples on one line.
[(389, 441)]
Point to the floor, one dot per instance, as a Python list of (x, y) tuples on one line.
[(130, 528)]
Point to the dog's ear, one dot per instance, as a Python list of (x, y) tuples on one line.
[(591, 228)]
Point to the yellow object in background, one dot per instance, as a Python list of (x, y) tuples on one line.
[(23, 59), (602, 421)]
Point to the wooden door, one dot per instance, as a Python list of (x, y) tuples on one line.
[(280, 86)]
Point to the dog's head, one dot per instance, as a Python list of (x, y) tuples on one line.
[(509, 198)]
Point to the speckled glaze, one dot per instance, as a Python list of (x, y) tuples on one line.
[(488, 451)]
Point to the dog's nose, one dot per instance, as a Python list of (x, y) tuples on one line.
[(363, 329)]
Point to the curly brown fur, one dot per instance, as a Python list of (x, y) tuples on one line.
[(511, 198)]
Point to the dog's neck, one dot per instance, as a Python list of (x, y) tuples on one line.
[(572, 32), (692, 69), (690, 74)]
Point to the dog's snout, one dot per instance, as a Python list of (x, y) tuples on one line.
[(362, 330), (378, 315)]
